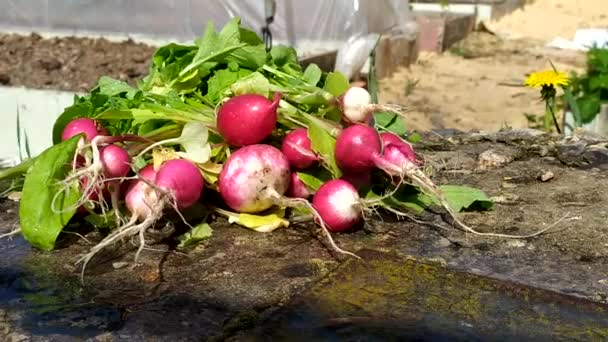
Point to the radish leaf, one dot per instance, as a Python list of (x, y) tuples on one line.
[(41, 225), (336, 83), (463, 198), (194, 141), (314, 178), (324, 144), (198, 233), (312, 74)]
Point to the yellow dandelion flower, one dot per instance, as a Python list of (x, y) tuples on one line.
[(549, 78)]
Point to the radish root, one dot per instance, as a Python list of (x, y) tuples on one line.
[(302, 203), (131, 228), (11, 233)]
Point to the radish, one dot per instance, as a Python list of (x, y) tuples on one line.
[(298, 149), (138, 191), (405, 147), (255, 177), (358, 149), (355, 103), (247, 119), (357, 107), (338, 204), (109, 164), (360, 181), (115, 161), (297, 188), (89, 127), (177, 183)]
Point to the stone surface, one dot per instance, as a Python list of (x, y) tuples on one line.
[(239, 279)]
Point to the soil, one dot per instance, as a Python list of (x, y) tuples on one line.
[(227, 284), (71, 63)]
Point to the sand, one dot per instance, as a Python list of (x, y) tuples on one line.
[(545, 20), (478, 84)]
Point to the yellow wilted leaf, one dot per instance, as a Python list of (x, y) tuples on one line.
[(210, 171), (259, 223), (161, 155)]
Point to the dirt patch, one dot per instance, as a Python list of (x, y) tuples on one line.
[(70, 63)]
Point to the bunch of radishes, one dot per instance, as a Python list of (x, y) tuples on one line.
[(103, 167), (262, 172)]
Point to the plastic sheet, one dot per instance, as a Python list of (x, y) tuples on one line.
[(311, 24)]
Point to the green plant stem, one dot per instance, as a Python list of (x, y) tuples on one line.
[(549, 106), (17, 170)]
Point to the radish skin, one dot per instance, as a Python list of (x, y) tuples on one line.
[(297, 188), (297, 148), (253, 178), (89, 127), (247, 119), (338, 204)]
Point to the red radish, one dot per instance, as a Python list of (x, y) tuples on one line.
[(297, 188), (360, 181), (247, 119), (115, 161), (182, 179), (404, 147), (400, 156), (298, 149), (138, 192), (177, 182), (338, 204), (358, 149), (254, 178), (89, 127)]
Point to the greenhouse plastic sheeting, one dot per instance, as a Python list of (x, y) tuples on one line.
[(297, 23)]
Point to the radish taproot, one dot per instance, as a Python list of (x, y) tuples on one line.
[(247, 119), (178, 183), (297, 147)]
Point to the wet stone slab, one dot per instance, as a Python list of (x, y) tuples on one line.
[(235, 285)]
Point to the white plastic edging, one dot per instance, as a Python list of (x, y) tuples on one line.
[(37, 111), (482, 12)]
